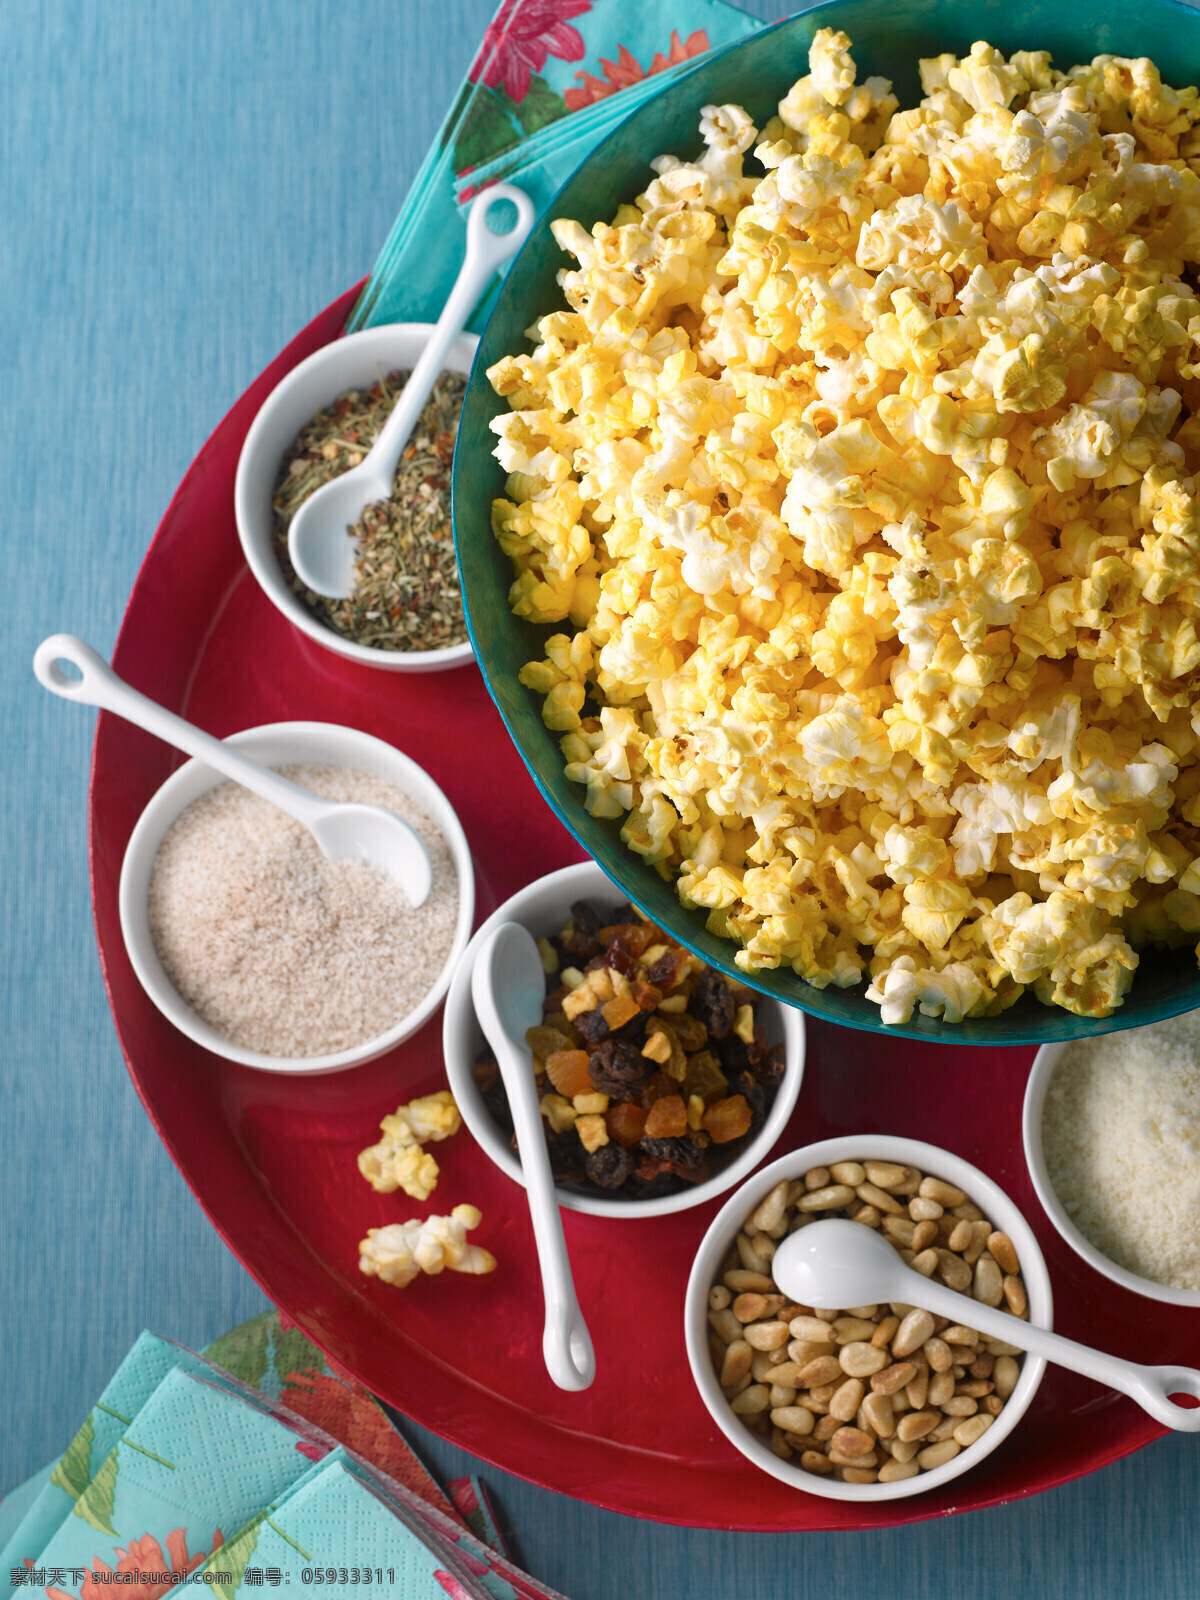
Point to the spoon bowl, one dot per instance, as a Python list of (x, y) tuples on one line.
[(319, 544)]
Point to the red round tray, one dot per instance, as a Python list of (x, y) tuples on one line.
[(271, 1158)]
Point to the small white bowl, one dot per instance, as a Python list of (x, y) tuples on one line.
[(994, 1204), (543, 908), (1041, 1073), (279, 744), (355, 362)]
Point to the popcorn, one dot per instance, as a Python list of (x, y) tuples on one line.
[(859, 498), (402, 1250), (398, 1161)]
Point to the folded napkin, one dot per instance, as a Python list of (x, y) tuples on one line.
[(550, 80), (236, 1468)]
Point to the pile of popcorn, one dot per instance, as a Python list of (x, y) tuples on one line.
[(864, 493)]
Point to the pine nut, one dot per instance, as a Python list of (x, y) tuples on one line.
[(847, 1329), (885, 1174), (802, 1351), (916, 1424), (988, 1287), (954, 1272), (879, 1414), (766, 1335), (905, 1449), (937, 1353), (923, 1210), (849, 1172), (993, 1405), (846, 1400), (885, 1332), (736, 1363), (894, 1378), (858, 1475), (814, 1461), (899, 1228), (749, 1307), (825, 1428), (924, 1234), (917, 1391), (725, 1325), (997, 1347), (1014, 1294), (982, 1366), (960, 1236), (1005, 1375), (772, 1210), (825, 1369), (793, 1419), (851, 1442), (782, 1394), (867, 1215), (718, 1297), (897, 1471), (978, 1244), (809, 1328), (967, 1211), (973, 1429), (862, 1360), (945, 1193), (753, 1400), (941, 1388), (831, 1198), (960, 1405), (957, 1334), (925, 1263), (937, 1455), (1002, 1247), (912, 1333), (765, 1364), (817, 1178), (787, 1372), (743, 1282), (780, 1446), (879, 1198)]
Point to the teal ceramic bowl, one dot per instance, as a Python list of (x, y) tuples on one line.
[(888, 37)]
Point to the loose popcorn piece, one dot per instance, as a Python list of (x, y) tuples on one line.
[(861, 498), (398, 1161), (400, 1251)]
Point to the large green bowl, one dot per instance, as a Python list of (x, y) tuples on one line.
[(888, 38)]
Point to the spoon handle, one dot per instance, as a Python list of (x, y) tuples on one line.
[(486, 251), (1151, 1387), (98, 685)]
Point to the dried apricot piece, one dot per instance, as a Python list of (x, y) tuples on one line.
[(726, 1119), (568, 1072), (622, 1008), (667, 1118), (646, 995), (626, 1122)]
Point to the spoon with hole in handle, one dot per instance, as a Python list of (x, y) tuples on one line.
[(320, 550), (837, 1263), (508, 984), (343, 832)]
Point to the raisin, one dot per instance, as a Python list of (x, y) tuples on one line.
[(712, 1003), (566, 1156), (545, 1041), (704, 1077), (683, 1155), (660, 1084), (609, 1166), (626, 1122), (591, 1025), (732, 1054), (664, 973), (579, 941), (667, 1118), (770, 1068), (618, 1069), (755, 1096), (555, 998)]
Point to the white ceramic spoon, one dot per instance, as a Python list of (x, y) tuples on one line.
[(343, 832), (318, 542), (508, 984), (838, 1263)]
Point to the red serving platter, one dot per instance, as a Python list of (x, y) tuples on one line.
[(271, 1157)]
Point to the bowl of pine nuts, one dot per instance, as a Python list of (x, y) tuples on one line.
[(866, 1403)]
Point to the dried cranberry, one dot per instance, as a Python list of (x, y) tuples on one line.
[(609, 1166), (619, 956), (618, 1069), (712, 1003), (664, 973)]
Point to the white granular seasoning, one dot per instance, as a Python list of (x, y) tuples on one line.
[(1121, 1132), (278, 949)]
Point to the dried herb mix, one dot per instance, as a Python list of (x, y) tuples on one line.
[(406, 592)]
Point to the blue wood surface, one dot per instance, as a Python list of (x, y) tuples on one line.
[(182, 186)]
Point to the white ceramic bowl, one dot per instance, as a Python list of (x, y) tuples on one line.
[(994, 1204), (1042, 1072), (355, 362), (543, 908), (279, 744)]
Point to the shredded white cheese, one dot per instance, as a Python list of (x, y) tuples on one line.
[(1121, 1131)]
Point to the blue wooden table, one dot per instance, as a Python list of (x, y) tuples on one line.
[(182, 186)]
